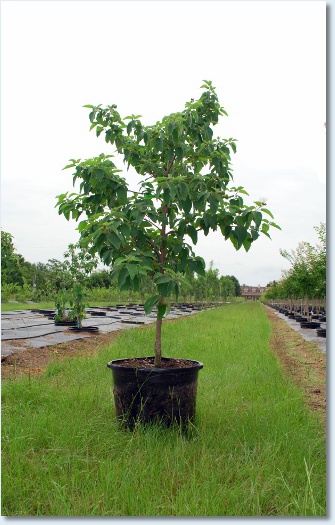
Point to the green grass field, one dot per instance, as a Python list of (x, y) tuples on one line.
[(255, 449)]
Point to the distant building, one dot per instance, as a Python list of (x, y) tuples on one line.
[(252, 293)]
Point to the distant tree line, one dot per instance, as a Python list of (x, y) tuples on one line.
[(23, 280), (306, 278)]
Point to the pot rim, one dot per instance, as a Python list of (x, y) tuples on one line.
[(115, 364)]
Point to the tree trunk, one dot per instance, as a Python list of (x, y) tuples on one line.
[(307, 308), (158, 340), (158, 343)]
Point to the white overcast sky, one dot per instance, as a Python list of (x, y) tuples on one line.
[(267, 60)]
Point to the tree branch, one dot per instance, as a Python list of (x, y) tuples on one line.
[(171, 164), (157, 252)]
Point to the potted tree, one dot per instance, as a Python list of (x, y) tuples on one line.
[(184, 188)]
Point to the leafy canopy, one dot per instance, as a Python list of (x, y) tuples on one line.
[(185, 189)]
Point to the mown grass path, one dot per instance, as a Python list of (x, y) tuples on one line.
[(256, 449)]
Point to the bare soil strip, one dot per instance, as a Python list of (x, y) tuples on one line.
[(35, 360)]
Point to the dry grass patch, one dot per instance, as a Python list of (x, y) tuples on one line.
[(303, 361)]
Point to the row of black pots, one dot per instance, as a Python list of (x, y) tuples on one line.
[(298, 316), (318, 319), (299, 310), (314, 324)]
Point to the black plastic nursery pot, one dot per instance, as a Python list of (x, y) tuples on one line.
[(145, 394), (300, 318), (311, 324), (84, 329)]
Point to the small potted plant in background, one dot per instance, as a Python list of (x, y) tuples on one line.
[(64, 315), (79, 265), (185, 189)]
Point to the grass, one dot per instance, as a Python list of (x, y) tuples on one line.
[(8, 307), (255, 449)]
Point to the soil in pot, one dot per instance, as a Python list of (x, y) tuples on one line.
[(145, 394)]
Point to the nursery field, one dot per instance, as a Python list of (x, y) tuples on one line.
[(257, 448)]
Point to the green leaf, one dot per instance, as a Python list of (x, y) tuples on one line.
[(241, 234), (199, 267), (124, 229), (107, 257), (164, 278), (179, 153), (186, 205), (192, 232), (247, 243), (122, 193), (172, 189), (82, 225), (126, 285), (114, 240), (132, 269), (118, 261), (255, 234), (257, 217), (170, 155), (183, 190), (161, 310), (130, 127), (234, 240), (207, 219), (265, 210), (275, 225), (122, 276), (213, 203), (165, 288), (151, 303), (168, 307), (166, 196), (175, 136)]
